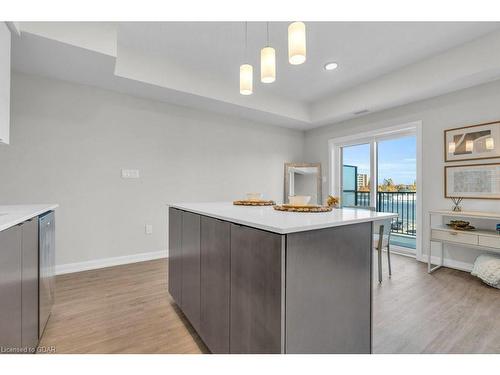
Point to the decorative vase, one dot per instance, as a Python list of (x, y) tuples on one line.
[(456, 204)]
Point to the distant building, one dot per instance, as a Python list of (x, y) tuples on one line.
[(362, 180)]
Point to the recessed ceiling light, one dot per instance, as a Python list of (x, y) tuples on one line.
[(331, 66)]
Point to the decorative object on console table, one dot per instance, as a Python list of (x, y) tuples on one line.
[(473, 142), (460, 225), (456, 203), (477, 181)]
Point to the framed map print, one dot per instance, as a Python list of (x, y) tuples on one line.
[(479, 181), (472, 142)]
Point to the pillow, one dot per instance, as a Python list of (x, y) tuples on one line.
[(487, 268)]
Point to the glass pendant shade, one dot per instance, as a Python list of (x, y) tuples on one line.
[(267, 65), (297, 43), (246, 79)]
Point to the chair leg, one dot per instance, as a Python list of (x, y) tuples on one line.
[(379, 249), (389, 259)]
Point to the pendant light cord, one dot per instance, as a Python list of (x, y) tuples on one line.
[(246, 41), (267, 26)]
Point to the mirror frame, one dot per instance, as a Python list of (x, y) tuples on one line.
[(319, 180)]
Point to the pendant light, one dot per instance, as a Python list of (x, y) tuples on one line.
[(267, 62), (246, 79), (297, 43), (246, 71)]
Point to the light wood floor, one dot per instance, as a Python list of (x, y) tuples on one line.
[(126, 309), (123, 309), (448, 311)]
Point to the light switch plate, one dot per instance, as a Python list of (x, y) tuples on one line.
[(130, 173), (149, 229)]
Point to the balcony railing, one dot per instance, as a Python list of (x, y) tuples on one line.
[(403, 203)]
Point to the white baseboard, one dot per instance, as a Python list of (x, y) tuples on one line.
[(462, 266), (109, 262)]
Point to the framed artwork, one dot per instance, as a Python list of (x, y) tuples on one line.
[(478, 181), (473, 142)]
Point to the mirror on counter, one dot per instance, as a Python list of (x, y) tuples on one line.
[(303, 179)]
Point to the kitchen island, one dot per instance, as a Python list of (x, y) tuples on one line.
[(256, 280)]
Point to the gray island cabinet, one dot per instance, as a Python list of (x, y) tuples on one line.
[(254, 280)]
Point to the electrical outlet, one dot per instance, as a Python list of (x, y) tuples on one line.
[(130, 173), (149, 229)]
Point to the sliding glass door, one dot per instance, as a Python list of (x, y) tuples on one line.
[(356, 175), (397, 187), (380, 172)]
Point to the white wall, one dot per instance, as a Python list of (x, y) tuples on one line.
[(69, 142), (4, 82), (466, 107)]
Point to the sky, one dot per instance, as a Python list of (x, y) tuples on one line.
[(396, 159)]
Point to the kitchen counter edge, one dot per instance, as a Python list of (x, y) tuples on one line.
[(279, 230), (17, 214)]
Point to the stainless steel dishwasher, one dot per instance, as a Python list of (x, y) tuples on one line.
[(47, 254)]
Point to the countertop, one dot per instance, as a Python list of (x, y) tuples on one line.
[(15, 214), (269, 219)]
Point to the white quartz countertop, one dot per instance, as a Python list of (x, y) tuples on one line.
[(269, 219), (16, 214)]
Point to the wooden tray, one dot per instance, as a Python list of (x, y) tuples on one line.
[(307, 208), (254, 203)]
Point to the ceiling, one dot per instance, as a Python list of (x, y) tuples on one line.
[(197, 63)]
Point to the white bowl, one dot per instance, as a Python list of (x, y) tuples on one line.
[(299, 200), (254, 196)]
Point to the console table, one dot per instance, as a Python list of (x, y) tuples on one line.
[(482, 238)]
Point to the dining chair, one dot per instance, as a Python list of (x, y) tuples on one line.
[(381, 239)]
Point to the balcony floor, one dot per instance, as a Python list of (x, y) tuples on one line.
[(404, 241)]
